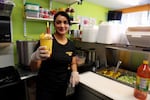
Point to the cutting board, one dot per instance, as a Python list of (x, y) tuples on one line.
[(108, 87)]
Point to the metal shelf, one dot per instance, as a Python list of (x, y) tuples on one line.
[(45, 19), (38, 19), (69, 2)]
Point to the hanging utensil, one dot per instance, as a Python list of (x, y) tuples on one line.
[(118, 64)]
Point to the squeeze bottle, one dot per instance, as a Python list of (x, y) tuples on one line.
[(142, 81)]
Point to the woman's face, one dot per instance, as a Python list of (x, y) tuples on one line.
[(61, 25)]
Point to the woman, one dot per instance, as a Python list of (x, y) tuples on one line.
[(53, 75)]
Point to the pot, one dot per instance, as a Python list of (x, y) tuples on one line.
[(24, 51)]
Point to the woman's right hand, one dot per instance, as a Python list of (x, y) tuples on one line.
[(40, 54)]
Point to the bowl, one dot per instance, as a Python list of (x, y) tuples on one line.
[(81, 60)]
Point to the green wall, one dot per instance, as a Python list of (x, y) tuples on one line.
[(91, 10), (34, 29)]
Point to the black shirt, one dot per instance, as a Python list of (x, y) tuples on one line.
[(54, 70)]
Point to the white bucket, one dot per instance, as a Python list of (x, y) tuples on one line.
[(110, 33), (89, 33)]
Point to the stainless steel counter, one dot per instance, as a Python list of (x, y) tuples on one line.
[(25, 74)]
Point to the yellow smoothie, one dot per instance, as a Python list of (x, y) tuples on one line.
[(46, 40)]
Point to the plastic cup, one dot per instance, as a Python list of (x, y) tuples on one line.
[(47, 43)]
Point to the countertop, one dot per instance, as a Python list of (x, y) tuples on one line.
[(108, 87), (27, 73), (101, 84)]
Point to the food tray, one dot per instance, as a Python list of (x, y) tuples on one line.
[(122, 75)]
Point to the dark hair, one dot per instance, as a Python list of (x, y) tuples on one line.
[(62, 13)]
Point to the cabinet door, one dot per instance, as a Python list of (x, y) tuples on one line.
[(83, 92)]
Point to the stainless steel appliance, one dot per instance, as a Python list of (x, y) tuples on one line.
[(11, 87), (139, 36), (6, 8), (24, 51), (6, 45), (8, 76), (5, 29), (5, 21)]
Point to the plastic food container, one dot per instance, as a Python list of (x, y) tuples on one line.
[(31, 13), (32, 6), (89, 33), (46, 40), (110, 33)]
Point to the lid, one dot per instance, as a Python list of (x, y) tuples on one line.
[(29, 10), (29, 3)]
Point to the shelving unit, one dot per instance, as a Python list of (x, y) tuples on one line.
[(68, 2), (38, 19), (45, 19)]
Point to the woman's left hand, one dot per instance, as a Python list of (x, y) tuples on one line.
[(74, 79)]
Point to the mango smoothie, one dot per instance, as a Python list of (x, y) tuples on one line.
[(46, 40)]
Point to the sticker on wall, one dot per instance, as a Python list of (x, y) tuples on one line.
[(84, 21)]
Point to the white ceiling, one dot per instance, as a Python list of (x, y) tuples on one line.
[(118, 4)]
